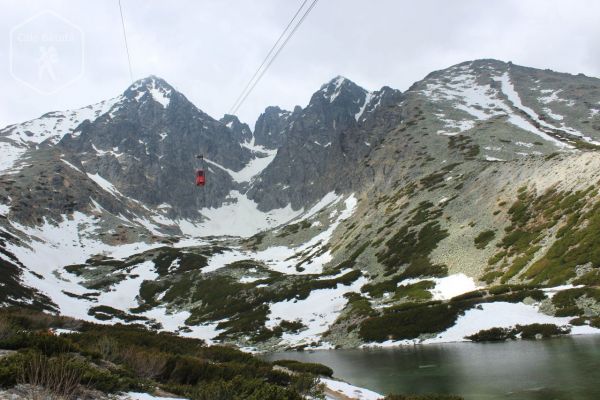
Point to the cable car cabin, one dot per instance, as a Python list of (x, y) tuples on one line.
[(200, 178)]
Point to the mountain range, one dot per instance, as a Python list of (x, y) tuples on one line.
[(364, 218)]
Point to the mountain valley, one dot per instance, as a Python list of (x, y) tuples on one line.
[(466, 203)]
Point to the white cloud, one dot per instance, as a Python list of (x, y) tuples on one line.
[(209, 49)]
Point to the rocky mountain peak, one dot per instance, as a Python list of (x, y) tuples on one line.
[(339, 90), (270, 126), (241, 130), (151, 87)]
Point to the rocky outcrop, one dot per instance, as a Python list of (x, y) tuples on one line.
[(241, 131)]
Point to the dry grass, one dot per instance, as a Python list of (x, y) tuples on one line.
[(53, 378)]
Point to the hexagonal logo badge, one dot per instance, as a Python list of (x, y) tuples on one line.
[(46, 52)]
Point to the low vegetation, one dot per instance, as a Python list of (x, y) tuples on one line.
[(532, 331), (406, 253), (130, 358), (484, 238), (574, 216)]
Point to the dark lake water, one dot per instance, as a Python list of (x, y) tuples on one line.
[(553, 369)]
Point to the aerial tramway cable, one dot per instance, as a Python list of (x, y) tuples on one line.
[(126, 46), (233, 107), (245, 95)]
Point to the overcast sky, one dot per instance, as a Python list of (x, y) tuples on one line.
[(208, 49)]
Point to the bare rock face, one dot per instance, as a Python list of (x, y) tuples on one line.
[(271, 127), (241, 131), (147, 146), (321, 144)]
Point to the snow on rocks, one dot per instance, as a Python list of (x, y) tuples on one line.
[(481, 102), (369, 96), (174, 321), (54, 125), (70, 242), (335, 89), (105, 185), (318, 311), (122, 295), (281, 258), (335, 388), (10, 155), (452, 285), (252, 169), (512, 95)]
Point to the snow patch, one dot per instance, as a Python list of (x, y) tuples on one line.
[(240, 217), (504, 315), (71, 165), (337, 88), (490, 158), (350, 391), (368, 97), (10, 155), (104, 184), (318, 311)]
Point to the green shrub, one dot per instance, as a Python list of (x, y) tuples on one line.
[(484, 238), (591, 278), (409, 321), (311, 368), (46, 343), (493, 335), (475, 294), (131, 358), (415, 291), (359, 306), (545, 330), (491, 276), (238, 388), (565, 301)]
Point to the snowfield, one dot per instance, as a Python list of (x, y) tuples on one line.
[(226, 221)]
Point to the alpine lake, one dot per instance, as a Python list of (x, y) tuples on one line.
[(565, 368)]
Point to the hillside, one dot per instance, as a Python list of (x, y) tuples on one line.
[(467, 202)]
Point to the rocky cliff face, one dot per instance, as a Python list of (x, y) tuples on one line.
[(271, 127), (322, 143), (241, 131), (147, 146)]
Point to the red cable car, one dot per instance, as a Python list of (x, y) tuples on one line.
[(200, 178)]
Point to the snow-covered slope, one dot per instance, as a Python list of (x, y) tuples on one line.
[(484, 99), (54, 125)]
